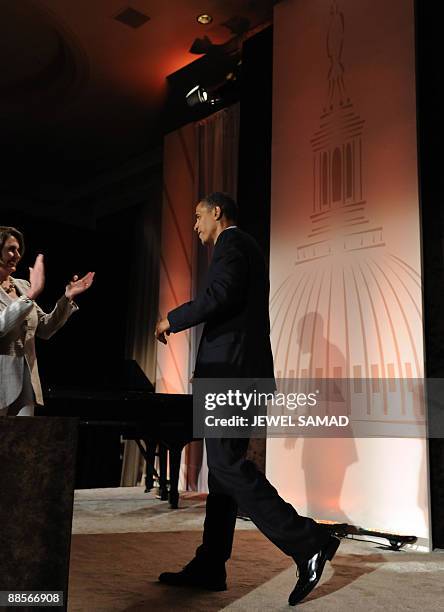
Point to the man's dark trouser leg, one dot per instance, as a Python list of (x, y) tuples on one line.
[(297, 536), (220, 521)]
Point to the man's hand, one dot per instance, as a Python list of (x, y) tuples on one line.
[(78, 285), (36, 278), (162, 328)]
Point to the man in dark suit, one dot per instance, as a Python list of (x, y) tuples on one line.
[(236, 344)]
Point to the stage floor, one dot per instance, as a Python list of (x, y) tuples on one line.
[(123, 538)]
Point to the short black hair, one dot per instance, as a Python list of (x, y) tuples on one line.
[(225, 202), (11, 232)]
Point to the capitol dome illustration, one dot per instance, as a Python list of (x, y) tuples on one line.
[(351, 306)]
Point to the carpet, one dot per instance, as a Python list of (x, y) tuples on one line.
[(119, 571), (123, 538)]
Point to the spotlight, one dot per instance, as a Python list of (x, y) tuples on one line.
[(204, 19), (197, 95)]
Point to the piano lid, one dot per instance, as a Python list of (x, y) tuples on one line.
[(124, 377)]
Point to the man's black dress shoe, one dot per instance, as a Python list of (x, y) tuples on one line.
[(198, 577), (310, 571)]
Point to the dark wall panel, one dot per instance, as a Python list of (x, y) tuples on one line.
[(430, 134), (255, 137)]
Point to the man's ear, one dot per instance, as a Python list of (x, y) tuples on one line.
[(217, 213)]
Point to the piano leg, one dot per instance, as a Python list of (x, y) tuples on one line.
[(148, 453), (163, 488), (175, 449), (149, 456)]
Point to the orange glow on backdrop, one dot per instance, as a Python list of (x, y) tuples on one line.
[(173, 360)]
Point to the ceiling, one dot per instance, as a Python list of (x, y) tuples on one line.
[(81, 91)]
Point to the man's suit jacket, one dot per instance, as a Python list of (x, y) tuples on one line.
[(20, 321), (235, 341)]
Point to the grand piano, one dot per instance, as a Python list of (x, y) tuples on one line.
[(123, 406)]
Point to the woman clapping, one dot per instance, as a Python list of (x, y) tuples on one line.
[(21, 319)]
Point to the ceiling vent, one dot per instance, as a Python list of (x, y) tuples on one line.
[(132, 18)]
